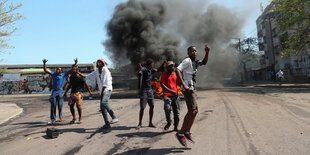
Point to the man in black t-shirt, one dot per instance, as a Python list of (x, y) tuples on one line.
[(146, 92), (76, 84)]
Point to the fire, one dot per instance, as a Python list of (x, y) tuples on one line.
[(179, 90), (158, 90)]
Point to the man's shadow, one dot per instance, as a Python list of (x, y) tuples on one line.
[(143, 134), (150, 151)]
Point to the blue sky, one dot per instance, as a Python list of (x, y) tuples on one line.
[(60, 30)]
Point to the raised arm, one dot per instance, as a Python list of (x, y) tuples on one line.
[(81, 74), (205, 59), (161, 68), (44, 67), (75, 62), (139, 70), (91, 75)]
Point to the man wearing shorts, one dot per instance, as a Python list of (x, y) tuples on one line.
[(146, 92), (188, 67), (168, 82), (76, 84)]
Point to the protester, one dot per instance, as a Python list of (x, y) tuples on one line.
[(146, 92), (104, 81), (58, 79), (76, 84), (168, 82), (188, 67)]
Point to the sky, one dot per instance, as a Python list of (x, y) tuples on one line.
[(61, 30)]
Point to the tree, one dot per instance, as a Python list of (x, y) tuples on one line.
[(8, 17), (294, 25), (248, 52)]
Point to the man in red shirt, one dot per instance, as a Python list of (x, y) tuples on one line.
[(168, 82)]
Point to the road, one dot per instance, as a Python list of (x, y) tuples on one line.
[(248, 119)]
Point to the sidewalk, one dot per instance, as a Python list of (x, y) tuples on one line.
[(8, 111), (271, 83)]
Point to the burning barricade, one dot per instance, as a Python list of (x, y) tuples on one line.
[(158, 90)]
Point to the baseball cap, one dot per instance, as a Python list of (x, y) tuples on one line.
[(101, 60), (170, 63)]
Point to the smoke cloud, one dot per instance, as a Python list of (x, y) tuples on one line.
[(164, 29), (136, 33)]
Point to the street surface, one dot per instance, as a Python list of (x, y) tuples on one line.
[(247, 119)]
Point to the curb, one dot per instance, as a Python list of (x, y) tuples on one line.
[(9, 111)]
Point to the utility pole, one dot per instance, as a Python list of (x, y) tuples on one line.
[(272, 44), (244, 77)]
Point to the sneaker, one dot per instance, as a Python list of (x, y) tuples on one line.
[(115, 120), (167, 126), (51, 123), (188, 136), (73, 121), (107, 126), (181, 139), (175, 129)]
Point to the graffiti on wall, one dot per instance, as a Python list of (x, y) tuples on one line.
[(32, 84), (35, 84)]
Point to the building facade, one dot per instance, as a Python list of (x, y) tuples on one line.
[(270, 40)]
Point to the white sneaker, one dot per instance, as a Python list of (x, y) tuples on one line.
[(115, 120)]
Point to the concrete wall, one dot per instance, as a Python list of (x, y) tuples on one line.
[(32, 85)]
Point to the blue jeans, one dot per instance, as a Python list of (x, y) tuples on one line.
[(105, 107), (56, 97)]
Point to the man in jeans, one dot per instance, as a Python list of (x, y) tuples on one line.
[(58, 79), (168, 82), (188, 67), (104, 81)]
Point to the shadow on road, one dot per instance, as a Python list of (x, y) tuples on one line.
[(38, 124), (150, 151), (143, 134), (263, 89), (105, 131)]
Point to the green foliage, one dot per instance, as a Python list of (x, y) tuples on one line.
[(294, 19), (8, 17), (249, 50)]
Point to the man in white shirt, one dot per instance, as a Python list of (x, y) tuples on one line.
[(188, 67), (280, 76), (104, 82)]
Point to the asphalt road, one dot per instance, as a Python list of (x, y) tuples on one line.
[(251, 119)]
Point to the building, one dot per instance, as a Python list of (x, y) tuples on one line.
[(269, 38)]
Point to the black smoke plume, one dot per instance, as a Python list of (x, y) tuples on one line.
[(164, 29), (136, 33)]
